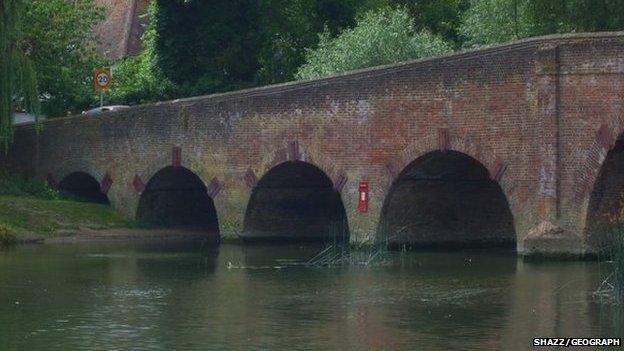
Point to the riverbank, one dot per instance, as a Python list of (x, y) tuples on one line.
[(33, 219), (55, 221)]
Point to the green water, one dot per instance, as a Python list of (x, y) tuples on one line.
[(137, 297)]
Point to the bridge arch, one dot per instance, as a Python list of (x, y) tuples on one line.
[(496, 165), (296, 151), (82, 186), (600, 188), (177, 197), (295, 201), (82, 165), (463, 172)]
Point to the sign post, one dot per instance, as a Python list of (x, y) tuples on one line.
[(102, 80)]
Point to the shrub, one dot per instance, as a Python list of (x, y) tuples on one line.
[(617, 257), (7, 235), (19, 185), (380, 37)]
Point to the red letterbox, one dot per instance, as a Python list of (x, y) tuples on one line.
[(363, 196)]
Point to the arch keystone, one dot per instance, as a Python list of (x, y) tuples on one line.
[(444, 139), (293, 151), (176, 156)]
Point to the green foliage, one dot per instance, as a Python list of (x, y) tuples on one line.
[(494, 21), (206, 46), (441, 17), (380, 37), (28, 215), (139, 82), (138, 79), (596, 15), (612, 253), (7, 235), (288, 27), (193, 47), (59, 36), (18, 80), (617, 257), (18, 185)]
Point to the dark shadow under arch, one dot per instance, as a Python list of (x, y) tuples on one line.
[(295, 201), (446, 199), (82, 187), (175, 197), (605, 210)]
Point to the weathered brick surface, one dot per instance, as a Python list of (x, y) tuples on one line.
[(531, 112), (119, 34)]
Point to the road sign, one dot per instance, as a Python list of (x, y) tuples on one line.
[(102, 78)]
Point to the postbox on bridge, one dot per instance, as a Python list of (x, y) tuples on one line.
[(363, 196)]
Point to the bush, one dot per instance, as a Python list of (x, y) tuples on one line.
[(380, 37), (19, 185), (7, 235)]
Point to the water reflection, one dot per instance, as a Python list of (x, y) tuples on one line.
[(120, 297)]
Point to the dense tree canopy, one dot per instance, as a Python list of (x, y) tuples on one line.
[(222, 45), (288, 27), (59, 35)]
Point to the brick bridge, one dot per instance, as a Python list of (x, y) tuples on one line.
[(516, 144)]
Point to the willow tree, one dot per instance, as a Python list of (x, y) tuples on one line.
[(18, 81)]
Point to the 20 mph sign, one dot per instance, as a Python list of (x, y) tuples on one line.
[(102, 79)]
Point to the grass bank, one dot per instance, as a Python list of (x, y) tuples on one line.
[(31, 209), (28, 216)]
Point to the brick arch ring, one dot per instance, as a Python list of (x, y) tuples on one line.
[(141, 179), (605, 138), (444, 140), (294, 151), (164, 160), (56, 175)]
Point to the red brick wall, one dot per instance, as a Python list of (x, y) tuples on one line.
[(119, 34), (528, 111)]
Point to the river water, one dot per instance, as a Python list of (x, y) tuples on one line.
[(234, 297)]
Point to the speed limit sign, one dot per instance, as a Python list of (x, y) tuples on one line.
[(102, 78)]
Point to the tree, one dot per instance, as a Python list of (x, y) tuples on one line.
[(206, 46), (18, 80), (597, 15), (495, 21), (59, 36), (138, 79), (288, 27), (380, 37)]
